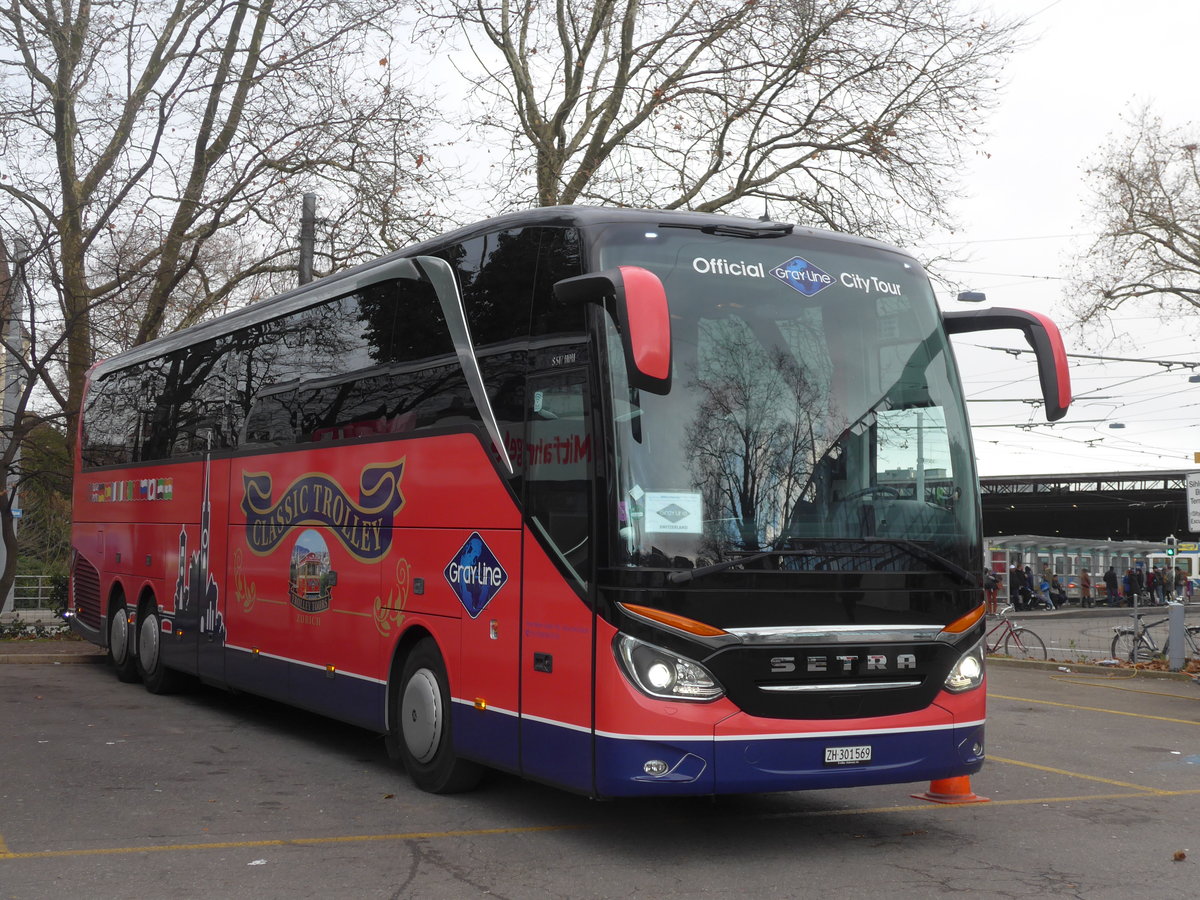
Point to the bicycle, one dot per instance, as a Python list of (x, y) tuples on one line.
[(1019, 642), (1136, 644)]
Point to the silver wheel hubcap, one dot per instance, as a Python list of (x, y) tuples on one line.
[(148, 642), (421, 715), (118, 636)]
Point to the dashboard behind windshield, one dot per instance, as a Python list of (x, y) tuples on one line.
[(813, 399)]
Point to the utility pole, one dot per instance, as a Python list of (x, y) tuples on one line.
[(12, 304), (308, 237)]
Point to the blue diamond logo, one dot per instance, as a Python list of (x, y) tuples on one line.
[(475, 575), (801, 275)]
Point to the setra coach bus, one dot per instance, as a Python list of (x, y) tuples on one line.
[(627, 502)]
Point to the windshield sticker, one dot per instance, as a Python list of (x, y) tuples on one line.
[(869, 284), (801, 275), (674, 512), (475, 575), (727, 267)]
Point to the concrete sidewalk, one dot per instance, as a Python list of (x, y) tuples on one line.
[(50, 651)]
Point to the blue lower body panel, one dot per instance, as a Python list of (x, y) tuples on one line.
[(557, 755), (732, 765), (486, 735)]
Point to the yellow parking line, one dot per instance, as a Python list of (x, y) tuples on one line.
[(935, 808), (1051, 769), (1115, 712), (3, 846), (295, 842)]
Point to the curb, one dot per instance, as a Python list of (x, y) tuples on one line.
[(57, 659)]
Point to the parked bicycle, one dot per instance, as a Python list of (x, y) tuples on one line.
[(1012, 640), (1136, 644)]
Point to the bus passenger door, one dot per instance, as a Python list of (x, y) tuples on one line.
[(557, 621)]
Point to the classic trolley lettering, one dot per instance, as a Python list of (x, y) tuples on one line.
[(316, 499)]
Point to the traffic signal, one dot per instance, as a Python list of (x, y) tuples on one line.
[(1171, 545)]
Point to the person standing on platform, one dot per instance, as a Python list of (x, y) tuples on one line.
[(1110, 586)]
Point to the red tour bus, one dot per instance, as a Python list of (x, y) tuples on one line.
[(628, 502)]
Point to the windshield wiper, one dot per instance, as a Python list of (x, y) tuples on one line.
[(691, 574), (766, 230), (926, 555), (913, 549)]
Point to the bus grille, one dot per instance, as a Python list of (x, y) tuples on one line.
[(85, 590)]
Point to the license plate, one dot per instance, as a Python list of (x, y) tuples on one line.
[(847, 756)]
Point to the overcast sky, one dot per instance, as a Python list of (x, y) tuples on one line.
[(1024, 213)]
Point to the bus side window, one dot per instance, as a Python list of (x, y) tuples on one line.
[(559, 257), (559, 457), (496, 275), (110, 419)]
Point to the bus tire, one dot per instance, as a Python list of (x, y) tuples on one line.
[(423, 725), (157, 678), (120, 643)]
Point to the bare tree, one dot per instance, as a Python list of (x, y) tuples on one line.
[(850, 113), (1146, 207), (152, 142)]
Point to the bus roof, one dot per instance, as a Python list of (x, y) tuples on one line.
[(392, 265)]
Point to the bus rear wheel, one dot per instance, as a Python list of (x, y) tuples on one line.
[(120, 644), (157, 677), (423, 725)]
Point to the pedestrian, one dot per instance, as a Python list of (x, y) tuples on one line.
[(1139, 582), (1168, 583), (1016, 582), (1057, 594), (1110, 586), (1030, 591), (1044, 593), (991, 587), (1085, 588)]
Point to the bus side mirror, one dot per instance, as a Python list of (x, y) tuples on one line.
[(642, 314), (1041, 334)]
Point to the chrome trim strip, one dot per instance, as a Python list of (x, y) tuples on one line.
[(441, 276), (842, 686), (839, 634)]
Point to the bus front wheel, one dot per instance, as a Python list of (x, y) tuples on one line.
[(424, 728)]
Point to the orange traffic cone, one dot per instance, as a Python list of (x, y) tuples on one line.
[(951, 790)]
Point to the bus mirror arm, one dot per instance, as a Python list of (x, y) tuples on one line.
[(639, 304), (1042, 336), (441, 276)]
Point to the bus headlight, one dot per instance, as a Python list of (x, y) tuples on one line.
[(967, 672), (660, 673)]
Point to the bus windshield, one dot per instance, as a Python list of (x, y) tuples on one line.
[(814, 404)]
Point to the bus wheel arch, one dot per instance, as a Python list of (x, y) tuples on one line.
[(420, 725), (157, 678), (121, 637)]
